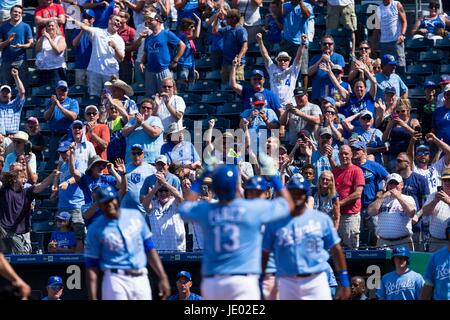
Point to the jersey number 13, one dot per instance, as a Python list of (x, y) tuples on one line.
[(226, 237)]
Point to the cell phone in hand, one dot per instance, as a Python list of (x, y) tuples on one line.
[(439, 188), (27, 148)]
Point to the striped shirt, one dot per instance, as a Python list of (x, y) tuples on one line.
[(393, 222), (439, 218), (10, 115)]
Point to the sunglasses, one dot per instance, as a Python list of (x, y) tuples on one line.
[(364, 48), (393, 182), (137, 153), (283, 60), (330, 112), (327, 43), (401, 111), (257, 78), (18, 141), (57, 288), (366, 118), (91, 113), (147, 108), (401, 160), (77, 127), (167, 87)]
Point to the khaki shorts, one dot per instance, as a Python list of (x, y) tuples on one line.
[(226, 70), (349, 229), (334, 13)]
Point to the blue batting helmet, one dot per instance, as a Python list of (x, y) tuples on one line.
[(401, 252), (104, 194), (256, 183), (225, 179), (298, 182)]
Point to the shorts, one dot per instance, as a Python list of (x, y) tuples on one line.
[(395, 49), (334, 13), (349, 229), (96, 82), (226, 70), (15, 243), (185, 73)]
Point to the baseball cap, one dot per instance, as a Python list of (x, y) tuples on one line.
[(283, 54), (428, 84), (325, 130), (77, 122), (64, 215), (337, 67), (61, 84), (299, 91), (446, 174), (137, 146), (447, 88), (329, 100), (388, 59), (162, 158), (303, 132), (366, 113), (445, 79), (64, 146), (185, 274), (33, 119), (54, 280), (5, 86), (257, 72), (88, 13), (422, 146), (395, 177), (360, 145), (390, 90), (91, 106), (258, 99)]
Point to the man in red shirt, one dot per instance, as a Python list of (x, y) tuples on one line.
[(48, 11), (96, 133), (128, 34), (349, 185)]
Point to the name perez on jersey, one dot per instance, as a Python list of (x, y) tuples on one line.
[(226, 214)]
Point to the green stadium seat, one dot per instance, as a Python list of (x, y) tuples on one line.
[(199, 110), (230, 109), (204, 86)]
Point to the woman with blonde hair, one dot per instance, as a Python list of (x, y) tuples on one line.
[(326, 198), (50, 60)]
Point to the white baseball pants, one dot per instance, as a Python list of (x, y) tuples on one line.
[(231, 288), (122, 287), (314, 287)]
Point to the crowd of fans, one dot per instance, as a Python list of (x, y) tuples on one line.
[(379, 165)]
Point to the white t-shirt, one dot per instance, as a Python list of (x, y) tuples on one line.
[(103, 58), (166, 117), (393, 222), (439, 218), (283, 82), (252, 16), (341, 3), (388, 22)]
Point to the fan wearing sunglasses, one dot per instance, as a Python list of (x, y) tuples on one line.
[(96, 133)]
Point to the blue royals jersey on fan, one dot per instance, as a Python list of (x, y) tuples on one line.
[(232, 232), (437, 274), (407, 286), (301, 243), (118, 243)]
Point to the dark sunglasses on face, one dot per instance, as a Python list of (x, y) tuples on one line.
[(401, 160), (283, 60), (330, 112), (401, 111), (327, 43), (364, 48), (18, 141), (146, 108), (77, 127), (366, 118), (56, 288), (137, 153), (167, 87), (91, 113)]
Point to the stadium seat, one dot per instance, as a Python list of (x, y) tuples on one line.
[(416, 92), (320, 22), (423, 68), (78, 91), (43, 91), (314, 48), (419, 44), (37, 113), (443, 43), (190, 98), (204, 86), (412, 80), (445, 68), (253, 50), (138, 88), (85, 101), (42, 215), (199, 110), (213, 75), (412, 56), (43, 226), (319, 10), (204, 64), (32, 102), (434, 78), (434, 55), (217, 98), (230, 109), (33, 80), (259, 61)]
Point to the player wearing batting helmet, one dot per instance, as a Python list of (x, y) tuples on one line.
[(301, 243), (403, 283), (437, 274), (119, 243), (232, 238)]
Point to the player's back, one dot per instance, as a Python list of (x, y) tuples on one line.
[(232, 233)]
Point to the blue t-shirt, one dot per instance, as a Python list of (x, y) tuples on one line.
[(102, 13), (232, 237), (301, 243), (374, 173), (294, 24), (441, 122), (416, 186), (258, 122), (65, 240), (375, 137), (181, 153), (393, 80), (118, 243), (59, 123), (273, 34), (355, 105), (188, 11), (87, 183), (272, 100), (83, 50), (150, 182), (136, 177), (192, 296), (321, 163), (233, 39), (437, 274), (407, 286), (159, 50), (187, 59), (23, 33), (72, 197), (320, 77), (152, 145), (216, 40)]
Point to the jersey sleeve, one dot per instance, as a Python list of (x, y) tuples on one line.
[(430, 272), (145, 231), (271, 210), (189, 210), (419, 285)]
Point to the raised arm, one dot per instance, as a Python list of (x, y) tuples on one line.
[(233, 83), (38, 188), (71, 162), (342, 91), (80, 24), (19, 85), (263, 50)]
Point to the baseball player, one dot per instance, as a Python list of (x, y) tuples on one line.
[(301, 243), (402, 283), (184, 284), (232, 248), (119, 243), (55, 288), (437, 274)]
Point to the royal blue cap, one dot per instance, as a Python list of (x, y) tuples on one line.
[(185, 274), (360, 145), (257, 72), (330, 100), (401, 252), (64, 215), (225, 179), (104, 194), (54, 280), (390, 90), (429, 84), (258, 98), (64, 146), (388, 59), (79, 122), (88, 13), (298, 182), (137, 146), (256, 183)]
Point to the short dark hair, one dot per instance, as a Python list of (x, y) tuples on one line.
[(307, 166), (16, 6), (147, 100)]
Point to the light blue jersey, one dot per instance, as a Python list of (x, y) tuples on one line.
[(437, 274), (118, 243), (135, 177), (301, 243), (232, 232), (407, 286)]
